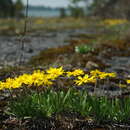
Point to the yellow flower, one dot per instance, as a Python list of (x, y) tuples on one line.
[(39, 78), (102, 75), (85, 79), (128, 81), (46, 81), (92, 79), (112, 75), (115, 21), (95, 72), (55, 72), (8, 84), (42, 79), (105, 75), (1, 85), (39, 21), (76, 72), (122, 85), (25, 79)]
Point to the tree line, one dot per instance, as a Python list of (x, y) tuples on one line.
[(9, 8), (101, 8), (98, 8)]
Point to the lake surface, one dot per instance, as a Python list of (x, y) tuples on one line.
[(44, 13)]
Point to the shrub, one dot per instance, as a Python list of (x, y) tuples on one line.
[(84, 48)]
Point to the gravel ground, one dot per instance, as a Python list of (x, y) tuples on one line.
[(11, 47)]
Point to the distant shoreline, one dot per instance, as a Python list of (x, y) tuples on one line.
[(41, 11), (43, 8)]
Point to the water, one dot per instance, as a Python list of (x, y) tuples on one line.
[(44, 13)]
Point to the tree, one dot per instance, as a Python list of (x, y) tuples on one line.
[(75, 9), (18, 5), (110, 8), (104, 8), (62, 12), (6, 8)]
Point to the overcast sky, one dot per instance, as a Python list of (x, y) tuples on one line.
[(52, 3)]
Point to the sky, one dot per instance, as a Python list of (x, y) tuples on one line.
[(51, 3)]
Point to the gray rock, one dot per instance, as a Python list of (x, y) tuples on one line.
[(91, 65)]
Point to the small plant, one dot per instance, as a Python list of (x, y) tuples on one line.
[(83, 49), (42, 105), (50, 102)]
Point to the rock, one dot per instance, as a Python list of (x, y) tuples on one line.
[(1, 66), (30, 50), (91, 65), (68, 66)]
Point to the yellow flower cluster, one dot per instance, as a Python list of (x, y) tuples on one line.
[(37, 78), (55, 72), (39, 21), (76, 72), (114, 21), (45, 78), (102, 75), (94, 75)]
